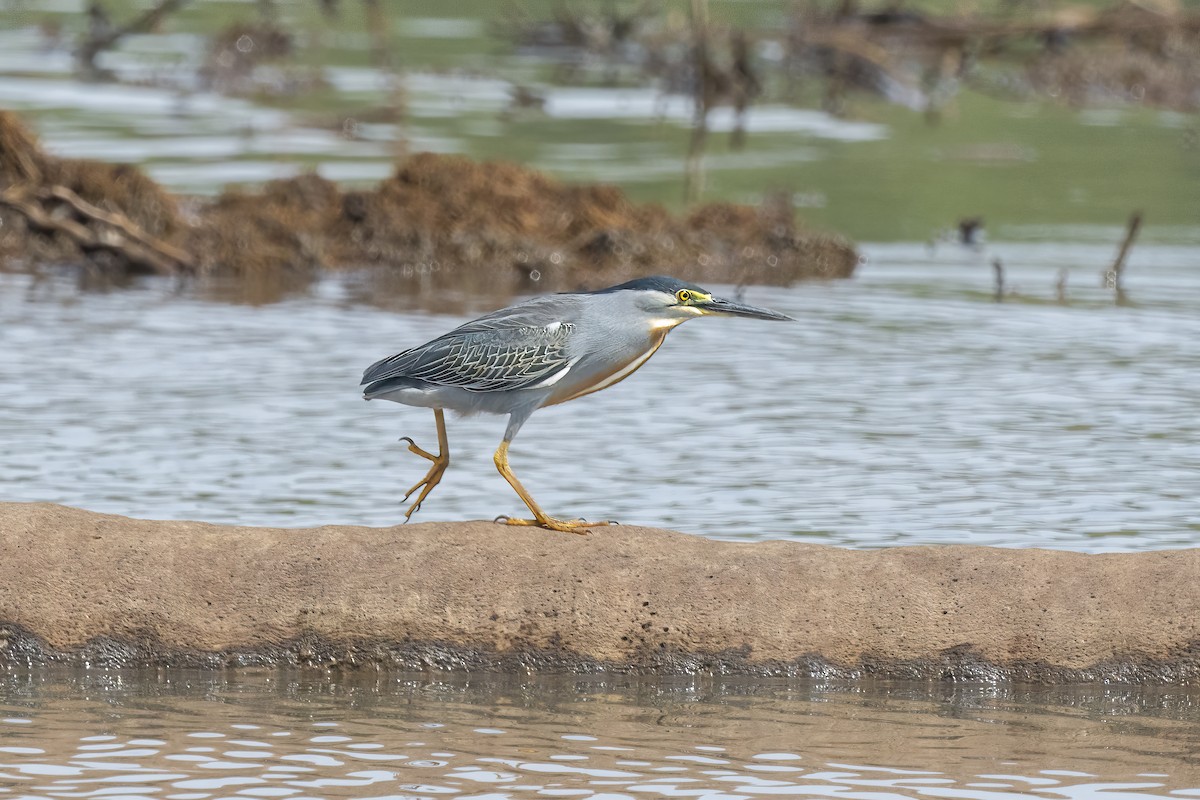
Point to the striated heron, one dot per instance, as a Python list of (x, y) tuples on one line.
[(537, 353)]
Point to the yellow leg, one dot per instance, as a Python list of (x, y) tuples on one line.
[(440, 462), (540, 517)]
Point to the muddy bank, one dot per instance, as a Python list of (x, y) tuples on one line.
[(439, 224), (81, 587)]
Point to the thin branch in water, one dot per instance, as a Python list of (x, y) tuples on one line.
[(1114, 276)]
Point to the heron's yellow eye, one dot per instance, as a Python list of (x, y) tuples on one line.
[(683, 296)]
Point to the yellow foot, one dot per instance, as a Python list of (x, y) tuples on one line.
[(578, 526), (432, 478)]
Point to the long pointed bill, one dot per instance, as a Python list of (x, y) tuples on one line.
[(731, 309)]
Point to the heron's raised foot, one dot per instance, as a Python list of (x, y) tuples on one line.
[(578, 526), (440, 461), (432, 478)]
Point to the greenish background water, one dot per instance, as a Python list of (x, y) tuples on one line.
[(1031, 168)]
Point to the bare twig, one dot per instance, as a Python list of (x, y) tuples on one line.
[(744, 85), (1114, 276), (102, 35), (378, 30), (115, 234), (119, 221), (382, 53), (703, 94)]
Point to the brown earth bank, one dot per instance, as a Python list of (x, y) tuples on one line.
[(439, 224), (85, 588)]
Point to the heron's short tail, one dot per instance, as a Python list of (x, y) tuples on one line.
[(389, 385)]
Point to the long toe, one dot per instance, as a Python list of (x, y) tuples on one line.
[(426, 484), (578, 526)]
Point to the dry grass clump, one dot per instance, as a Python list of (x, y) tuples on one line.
[(27, 172), (118, 187), (1120, 75), (21, 157), (280, 229), (515, 228), (248, 58), (439, 224), (449, 224), (1138, 52), (113, 187)]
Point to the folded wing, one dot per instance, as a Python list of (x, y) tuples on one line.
[(483, 358)]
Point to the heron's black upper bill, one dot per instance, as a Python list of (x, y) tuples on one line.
[(730, 308)]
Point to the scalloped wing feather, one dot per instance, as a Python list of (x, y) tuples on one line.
[(483, 357)]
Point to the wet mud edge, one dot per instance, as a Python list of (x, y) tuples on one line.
[(21, 648)]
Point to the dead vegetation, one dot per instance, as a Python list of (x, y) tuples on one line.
[(439, 224), (56, 210), (1132, 51)]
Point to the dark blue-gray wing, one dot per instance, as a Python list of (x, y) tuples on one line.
[(482, 359)]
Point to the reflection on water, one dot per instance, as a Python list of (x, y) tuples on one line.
[(904, 407), (183, 736), (192, 140)]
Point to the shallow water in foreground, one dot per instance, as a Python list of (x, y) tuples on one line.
[(905, 407), (185, 736)]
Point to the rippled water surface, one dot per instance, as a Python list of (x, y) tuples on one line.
[(904, 407), (177, 736)]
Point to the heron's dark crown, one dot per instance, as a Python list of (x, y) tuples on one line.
[(653, 283)]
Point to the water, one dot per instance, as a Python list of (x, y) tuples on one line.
[(881, 174), (905, 407), (182, 736), (201, 142)]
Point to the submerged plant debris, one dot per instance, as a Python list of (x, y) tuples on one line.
[(438, 224)]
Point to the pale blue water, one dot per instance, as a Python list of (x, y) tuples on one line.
[(904, 407), (190, 736)]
